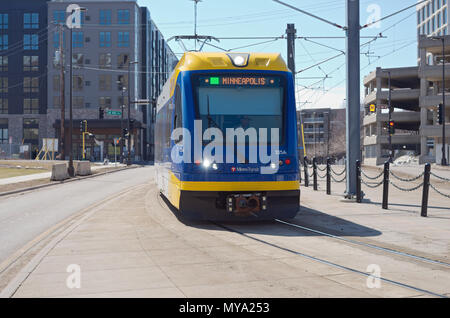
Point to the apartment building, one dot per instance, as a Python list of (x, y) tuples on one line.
[(434, 65), (432, 18), (111, 38), (323, 132), (23, 72)]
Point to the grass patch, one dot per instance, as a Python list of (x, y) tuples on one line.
[(7, 172)]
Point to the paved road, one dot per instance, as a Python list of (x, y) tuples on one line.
[(23, 217)]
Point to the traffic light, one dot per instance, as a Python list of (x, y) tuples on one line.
[(440, 114), (391, 127), (125, 132), (101, 113), (132, 124), (83, 126), (372, 108)]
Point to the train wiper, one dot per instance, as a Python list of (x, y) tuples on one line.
[(210, 120)]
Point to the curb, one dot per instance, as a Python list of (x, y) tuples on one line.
[(65, 181)]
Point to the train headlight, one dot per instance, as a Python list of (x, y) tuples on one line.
[(214, 166), (239, 60), (206, 163)]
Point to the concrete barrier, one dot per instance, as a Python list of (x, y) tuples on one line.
[(59, 172), (82, 168)]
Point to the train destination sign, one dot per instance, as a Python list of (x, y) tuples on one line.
[(239, 81)]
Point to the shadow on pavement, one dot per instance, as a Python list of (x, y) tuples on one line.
[(307, 217)]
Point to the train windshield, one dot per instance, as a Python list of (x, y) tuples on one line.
[(240, 102)]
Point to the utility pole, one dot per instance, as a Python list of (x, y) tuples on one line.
[(391, 152), (353, 95), (129, 111), (62, 93), (291, 36)]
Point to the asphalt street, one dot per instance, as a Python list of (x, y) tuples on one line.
[(24, 216)]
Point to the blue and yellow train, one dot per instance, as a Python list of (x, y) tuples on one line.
[(214, 95)]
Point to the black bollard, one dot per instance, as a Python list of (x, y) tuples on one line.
[(305, 164), (426, 188), (358, 181), (385, 185), (315, 173), (328, 176)]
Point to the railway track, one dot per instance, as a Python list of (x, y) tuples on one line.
[(372, 246), (343, 267)]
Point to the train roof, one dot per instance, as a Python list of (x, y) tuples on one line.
[(192, 61)]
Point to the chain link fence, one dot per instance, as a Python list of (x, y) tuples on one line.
[(16, 151)]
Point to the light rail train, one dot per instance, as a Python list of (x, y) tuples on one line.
[(226, 137)]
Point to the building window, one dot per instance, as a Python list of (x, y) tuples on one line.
[(123, 39), (77, 59), (3, 106), (30, 42), (104, 82), (105, 39), (3, 63), (3, 21), (3, 130), (122, 81), (77, 83), (439, 20), (105, 17), (59, 16), (31, 20), (77, 39), (31, 106), (78, 102), (123, 16), (56, 40), (57, 102), (3, 85), (122, 61), (444, 16), (30, 63), (31, 131), (31, 84), (56, 83), (104, 60), (122, 101), (105, 102), (3, 41)]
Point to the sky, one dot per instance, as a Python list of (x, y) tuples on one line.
[(320, 86)]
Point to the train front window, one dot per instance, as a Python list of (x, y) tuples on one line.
[(240, 102)]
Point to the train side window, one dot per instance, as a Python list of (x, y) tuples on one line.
[(178, 118)]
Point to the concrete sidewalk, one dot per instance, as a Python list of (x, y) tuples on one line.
[(133, 246)]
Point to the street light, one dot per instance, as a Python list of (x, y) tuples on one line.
[(71, 169), (129, 111), (442, 38)]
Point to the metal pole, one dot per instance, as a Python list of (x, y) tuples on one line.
[(315, 174), (426, 188), (353, 94), (62, 83), (444, 159), (305, 164), (386, 185), (328, 176), (358, 181), (390, 118), (70, 170), (129, 118), (122, 107)]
